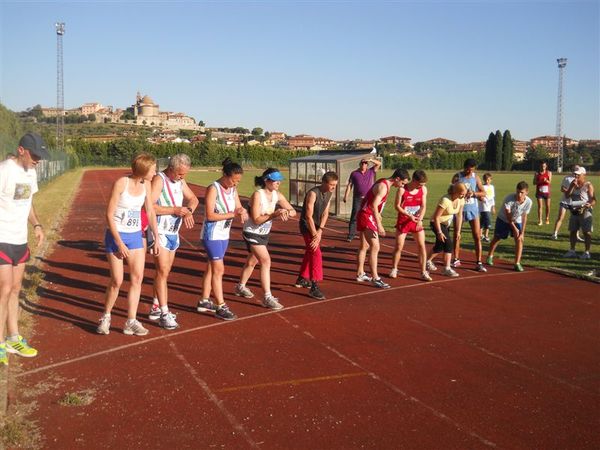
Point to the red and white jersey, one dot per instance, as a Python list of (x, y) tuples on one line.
[(366, 202)]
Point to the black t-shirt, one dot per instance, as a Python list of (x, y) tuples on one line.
[(321, 203)]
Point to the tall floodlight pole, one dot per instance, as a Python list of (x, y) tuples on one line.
[(562, 63), (60, 93)]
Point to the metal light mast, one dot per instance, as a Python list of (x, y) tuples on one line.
[(60, 93), (562, 63)]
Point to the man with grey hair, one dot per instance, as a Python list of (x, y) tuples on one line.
[(582, 196), (169, 193)]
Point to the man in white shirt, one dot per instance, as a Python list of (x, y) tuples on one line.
[(18, 183)]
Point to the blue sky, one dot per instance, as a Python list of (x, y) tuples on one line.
[(339, 69)]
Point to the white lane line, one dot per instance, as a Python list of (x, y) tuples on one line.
[(374, 292), (213, 397), (396, 389), (501, 358)]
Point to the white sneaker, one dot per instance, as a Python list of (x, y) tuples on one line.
[(579, 238), (431, 267), (456, 263), (554, 237), (168, 321), (104, 326), (154, 313), (570, 254), (363, 277), (134, 327), (243, 291), (271, 302), (585, 255), (425, 276), (393, 273), (450, 272)]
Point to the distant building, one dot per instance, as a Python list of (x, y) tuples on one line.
[(550, 143), (146, 112), (472, 147), (364, 145), (301, 142), (520, 149), (440, 141), (396, 140), (90, 108)]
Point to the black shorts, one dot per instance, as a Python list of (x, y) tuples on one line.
[(439, 246), (485, 219), (13, 254), (255, 239)]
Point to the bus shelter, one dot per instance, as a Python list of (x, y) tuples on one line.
[(306, 172)]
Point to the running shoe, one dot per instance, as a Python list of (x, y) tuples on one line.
[(154, 313), (315, 292), (518, 267), (393, 273), (20, 347), (570, 254), (547, 222), (490, 260), (3, 355), (485, 239), (540, 223), (243, 291), (168, 321), (206, 305), (224, 313), (379, 283), (456, 263), (579, 238), (585, 255), (479, 267), (450, 272), (302, 283), (431, 267), (426, 277), (271, 302), (363, 277), (104, 326), (134, 327), (554, 237)]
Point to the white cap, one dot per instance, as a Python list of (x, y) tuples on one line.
[(579, 171)]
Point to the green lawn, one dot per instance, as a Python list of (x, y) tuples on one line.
[(539, 250)]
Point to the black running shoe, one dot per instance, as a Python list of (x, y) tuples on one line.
[(315, 292), (302, 283), (223, 312)]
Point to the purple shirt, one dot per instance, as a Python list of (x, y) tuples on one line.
[(362, 182)]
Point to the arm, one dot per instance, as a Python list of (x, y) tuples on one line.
[(239, 209), (523, 225), (592, 195), (458, 222), (376, 164), (549, 177), (316, 241), (398, 201), (348, 188), (288, 210), (436, 223), (480, 194), (423, 206), (191, 202), (148, 203), (375, 206), (257, 218), (37, 226), (309, 201)]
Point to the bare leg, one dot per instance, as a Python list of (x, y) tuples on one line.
[(207, 281), (362, 254), (539, 210), (547, 201), (420, 239), (136, 261), (218, 268), (476, 233), (13, 300), (262, 254), (163, 262), (400, 238), (373, 240), (248, 268), (116, 280)]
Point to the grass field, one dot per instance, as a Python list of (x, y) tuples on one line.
[(539, 251)]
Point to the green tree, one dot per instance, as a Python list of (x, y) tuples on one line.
[(490, 155), (507, 151), (498, 150), (257, 131)]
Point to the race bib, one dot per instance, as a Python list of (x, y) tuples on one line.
[(470, 201), (544, 189), (412, 210), (131, 220), (170, 224)]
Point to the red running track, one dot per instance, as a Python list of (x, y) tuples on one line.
[(502, 359)]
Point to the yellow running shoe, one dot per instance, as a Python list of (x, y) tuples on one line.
[(20, 347), (3, 355)]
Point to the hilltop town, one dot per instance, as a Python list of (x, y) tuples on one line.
[(178, 127)]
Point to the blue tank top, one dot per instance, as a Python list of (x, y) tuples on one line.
[(471, 183)]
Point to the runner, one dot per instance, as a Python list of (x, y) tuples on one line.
[(360, 181), (449, 209), (123, 240), (370, 225), (470, 213), (263, 209), (563, 204), (512, 219), (221, 206), (169, 193), (582, 196), (315, 211), (542, 180), (18, 184), (411, 203)]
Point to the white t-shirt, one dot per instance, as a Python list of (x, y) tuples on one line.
[(516, 209), (486, 203), (17, 187), (566, 182)]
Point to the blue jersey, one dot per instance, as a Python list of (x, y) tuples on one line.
[(471, 183)]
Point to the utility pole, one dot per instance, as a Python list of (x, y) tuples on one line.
[(60, 88), (562, 63)]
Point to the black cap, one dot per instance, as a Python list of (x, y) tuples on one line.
[(35, 144)]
